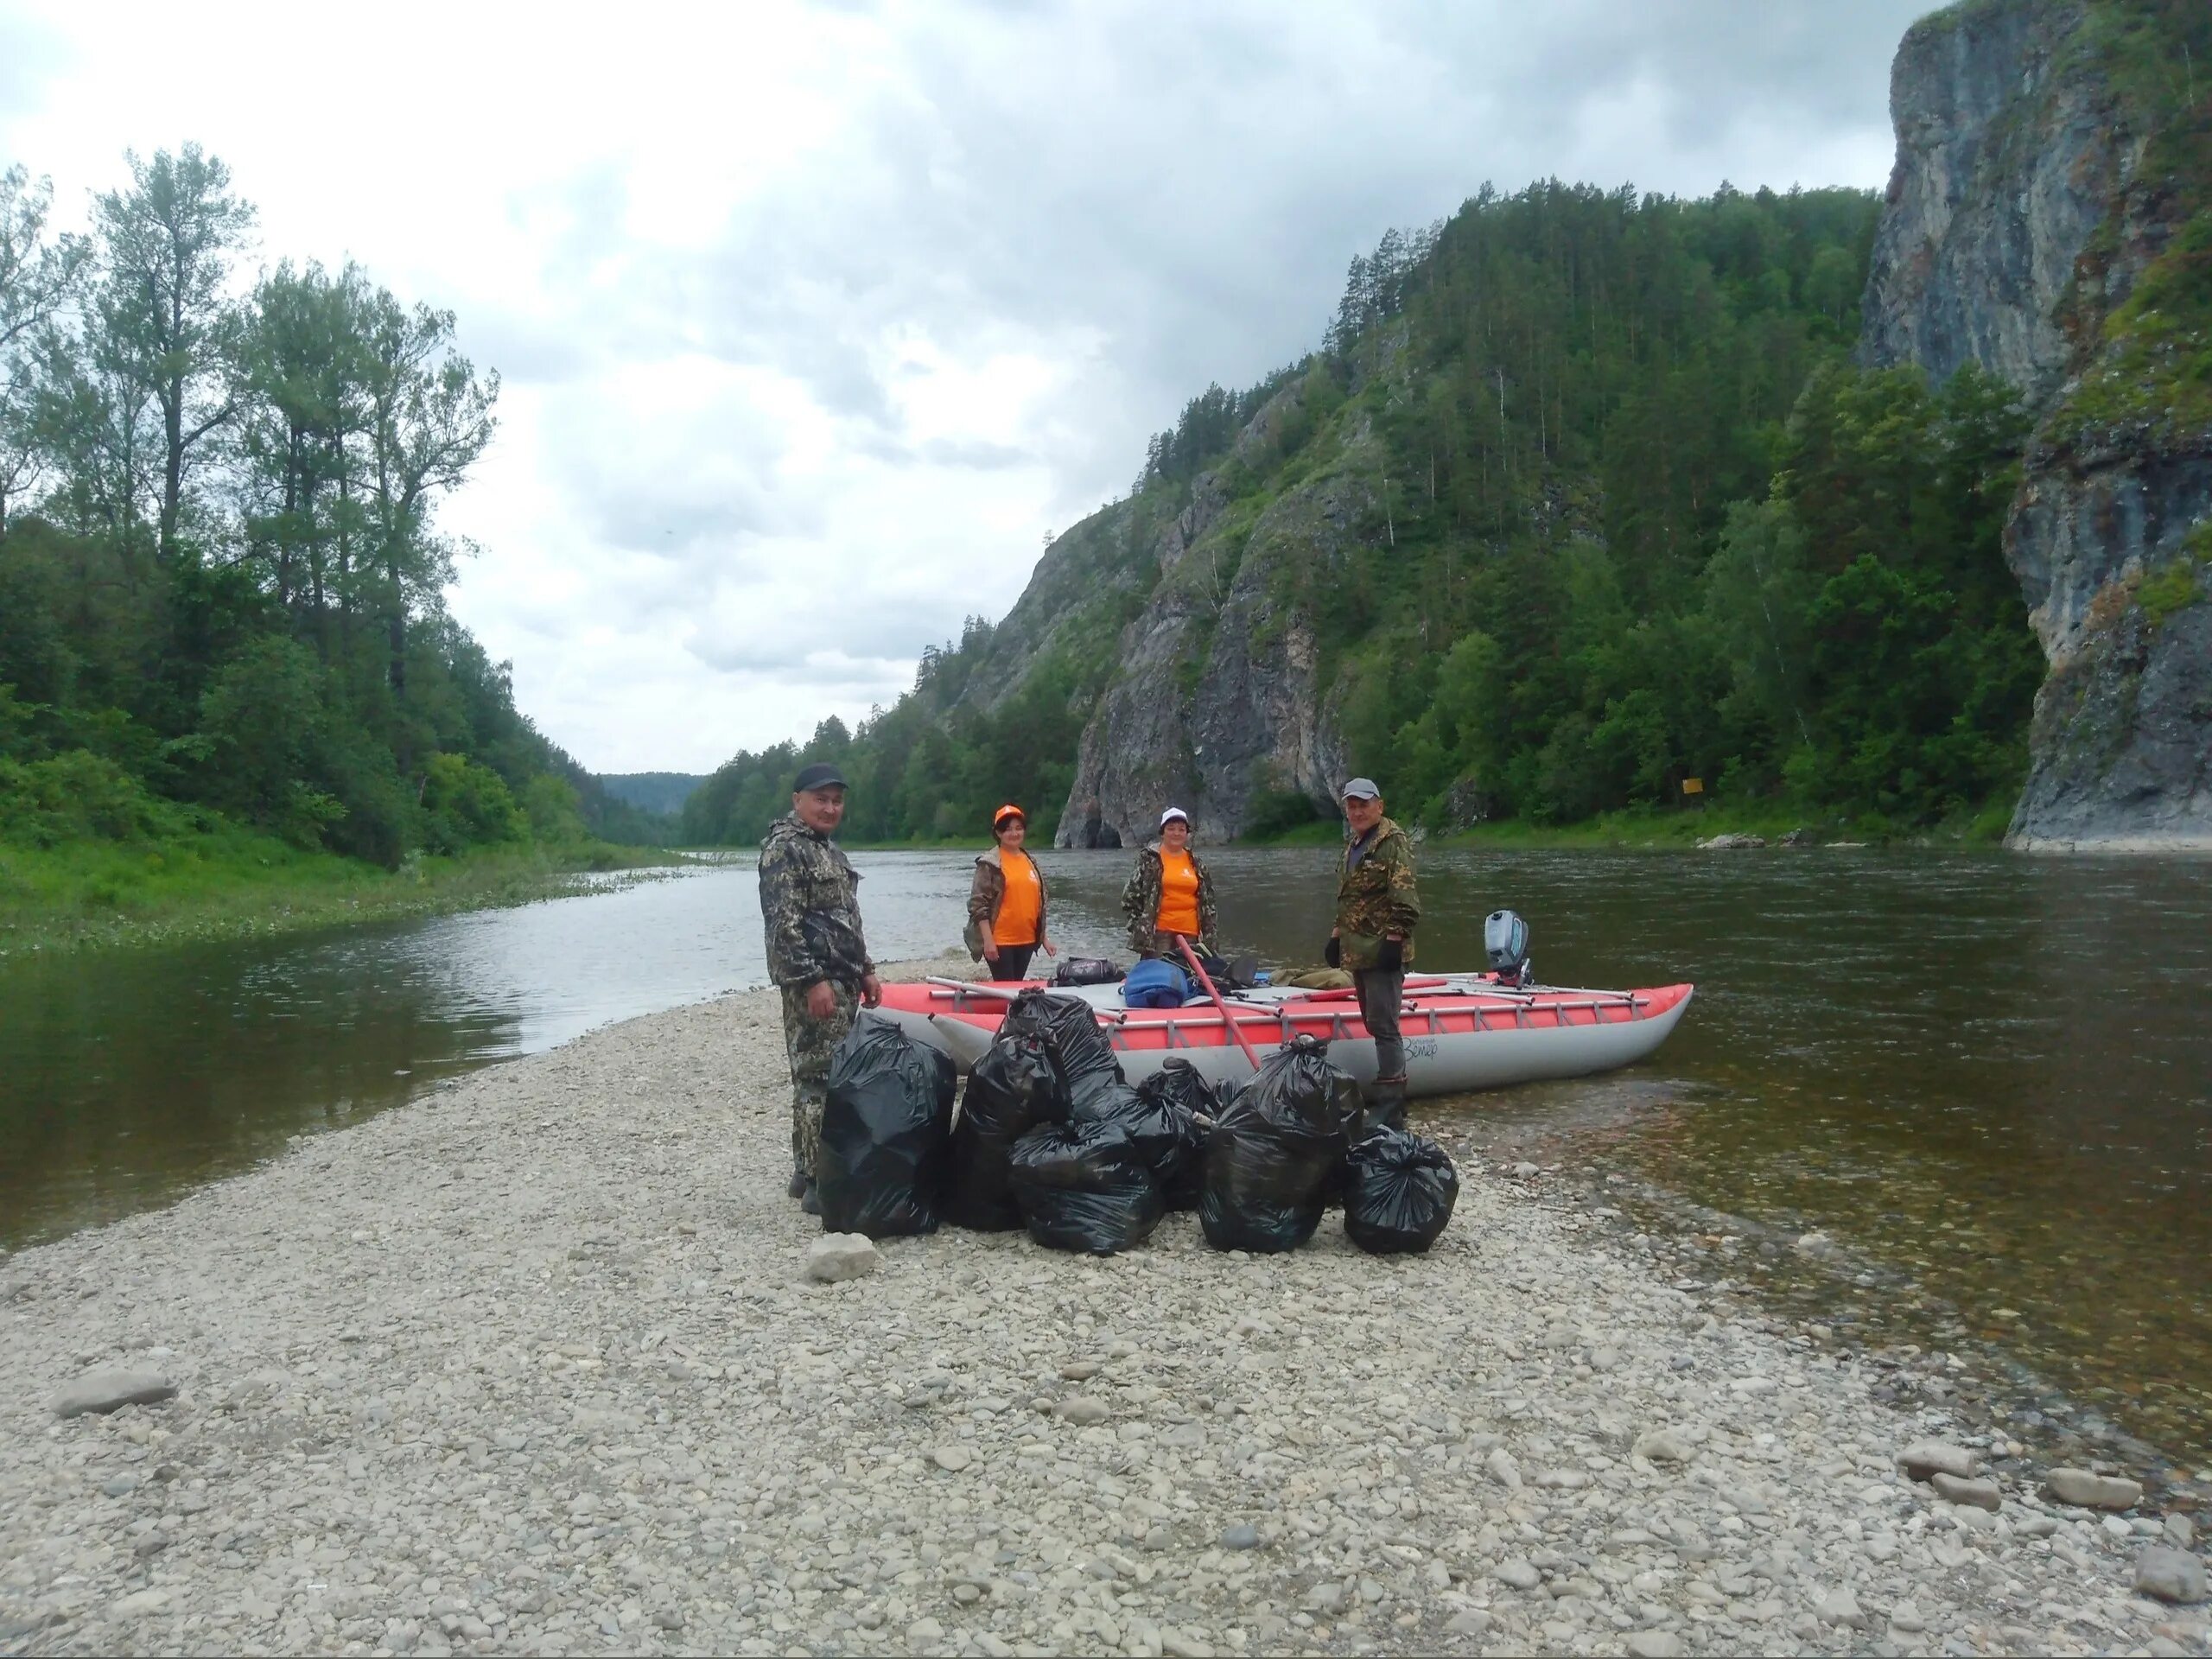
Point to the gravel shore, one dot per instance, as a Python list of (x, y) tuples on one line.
[(531, 1366)]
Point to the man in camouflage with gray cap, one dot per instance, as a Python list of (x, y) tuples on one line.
[(810, 914), (1377, 906)]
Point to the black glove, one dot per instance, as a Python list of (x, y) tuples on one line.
[(1333, 951), (1390, 956)]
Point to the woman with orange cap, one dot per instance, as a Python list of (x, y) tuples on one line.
[(1006, 905)]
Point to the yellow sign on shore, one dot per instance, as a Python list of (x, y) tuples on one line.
[(1693, 785)]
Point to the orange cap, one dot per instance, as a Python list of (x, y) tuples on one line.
[(1009, 810)]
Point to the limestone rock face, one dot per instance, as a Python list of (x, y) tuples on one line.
[(1218, 699), (1987, 214), (2029, 199)]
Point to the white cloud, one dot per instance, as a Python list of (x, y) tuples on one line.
[(814, 319)]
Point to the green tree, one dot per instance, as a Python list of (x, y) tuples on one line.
[(38, 275), (168, 328)]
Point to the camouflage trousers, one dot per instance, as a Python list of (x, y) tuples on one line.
[(1381, 990), (809, 1042)]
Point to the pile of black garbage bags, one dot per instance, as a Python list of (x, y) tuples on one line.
[(1050, 1136)]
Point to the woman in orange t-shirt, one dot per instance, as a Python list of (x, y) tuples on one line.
[(1006, 903), (1170, 896)]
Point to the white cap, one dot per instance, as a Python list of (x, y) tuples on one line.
[(1361, 789), (1172, 813)]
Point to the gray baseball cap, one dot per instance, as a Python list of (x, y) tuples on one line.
[(1360, 789)]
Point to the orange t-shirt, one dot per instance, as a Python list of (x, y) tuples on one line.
[(1178, 893), (1023, 906)]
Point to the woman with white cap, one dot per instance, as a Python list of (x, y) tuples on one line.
[(1170, 896)]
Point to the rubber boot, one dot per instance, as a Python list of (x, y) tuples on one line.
[(797, 1187), (810, 1201), (1386, 1106)]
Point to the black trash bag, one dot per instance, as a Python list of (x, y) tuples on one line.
[(1078, 1047), (1184, 1084), (1399, 1190), (886, 1131), (1088, 970), (1014, 1088), (1084, 1186), (1180, 1093), (1277, 1153), (1166, 1134)]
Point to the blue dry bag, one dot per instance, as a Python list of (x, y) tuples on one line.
[(1156, 983)]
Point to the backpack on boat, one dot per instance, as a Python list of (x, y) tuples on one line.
[(1087, 970), (1155, 983)]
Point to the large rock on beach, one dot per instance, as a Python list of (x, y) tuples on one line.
[(1925, 1458), (835, 1257), (102, 1392), (2169, 1575), (1974, 1494), (1663, 1445), (2089, 1492)]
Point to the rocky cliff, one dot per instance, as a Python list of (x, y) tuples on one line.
[(2047, 220), (1219, 700)]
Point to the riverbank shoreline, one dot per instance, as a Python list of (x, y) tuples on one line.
[(104, 896), (529, 1365)]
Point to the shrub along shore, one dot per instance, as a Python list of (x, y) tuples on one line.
[(529, 1365)]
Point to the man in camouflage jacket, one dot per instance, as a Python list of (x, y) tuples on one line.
[(810, 917), (1377, 907)]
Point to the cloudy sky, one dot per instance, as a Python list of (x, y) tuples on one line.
[(816, 319)]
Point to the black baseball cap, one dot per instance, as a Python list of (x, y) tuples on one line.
[(820, 775)]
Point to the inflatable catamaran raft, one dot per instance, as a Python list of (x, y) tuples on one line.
[(1461, 1031)]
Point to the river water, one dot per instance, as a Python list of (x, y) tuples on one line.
[(1988, 1079)]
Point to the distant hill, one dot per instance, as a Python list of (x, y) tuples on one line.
[(656, 791)]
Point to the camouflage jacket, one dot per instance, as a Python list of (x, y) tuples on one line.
[(810, 908), (987, 892), (1375, 896), (1140, 905)]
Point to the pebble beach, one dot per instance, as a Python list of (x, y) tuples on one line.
[(535, 1365)]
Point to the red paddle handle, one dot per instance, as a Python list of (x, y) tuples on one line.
[(1227, 1019)]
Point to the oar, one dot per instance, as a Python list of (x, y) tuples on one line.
[(1227, 1018), (971, 988)]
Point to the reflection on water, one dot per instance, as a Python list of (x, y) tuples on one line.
[(1990, 1075), (127, 1077)]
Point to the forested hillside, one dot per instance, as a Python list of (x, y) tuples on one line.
[(662, 793), (1579, 498), (220, 564)]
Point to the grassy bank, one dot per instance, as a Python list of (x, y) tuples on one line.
[(230, 882), (1646, 828), (1641, 828)]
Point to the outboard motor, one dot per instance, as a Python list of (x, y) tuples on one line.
[(1505, 941)]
